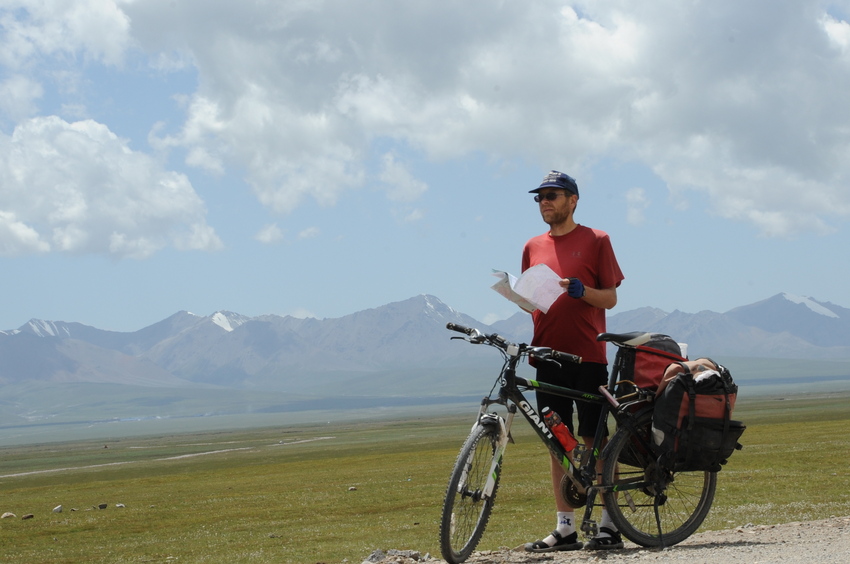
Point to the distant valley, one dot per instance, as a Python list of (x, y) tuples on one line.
[(56, 373)]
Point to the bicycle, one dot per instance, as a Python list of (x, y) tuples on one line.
[(651, 505)]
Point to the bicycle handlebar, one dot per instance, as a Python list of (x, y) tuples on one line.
[(558, 355), (542, 353), (461, 328)]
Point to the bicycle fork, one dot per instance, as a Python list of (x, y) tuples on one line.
[(496, 465), (498, 451)]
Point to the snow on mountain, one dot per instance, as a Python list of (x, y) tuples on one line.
[(811, 304), (46, 328), (228, 320)]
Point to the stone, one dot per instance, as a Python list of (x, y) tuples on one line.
[(103, 506), (376, 556), (27, 516), (398, 556), (411, 554), (8, 515), (57, 509), (120, 505)]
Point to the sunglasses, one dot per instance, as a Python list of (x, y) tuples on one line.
[(551, 196)]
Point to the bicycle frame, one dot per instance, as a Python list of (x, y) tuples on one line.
[(582, 473), (510, 392)]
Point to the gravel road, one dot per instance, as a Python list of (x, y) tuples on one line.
[(810, 542)]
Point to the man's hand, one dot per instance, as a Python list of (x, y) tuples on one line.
[(576, 288)]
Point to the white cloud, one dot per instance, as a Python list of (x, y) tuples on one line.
[(401, 185), (637, 203), (302, 313), (96, 29), (309, 233), (269, 234), (744, 102), (838, 32), (414, 215), (287, 154), (18, 95), (197, 236), (710, 97), (78, 188), (18, 238)]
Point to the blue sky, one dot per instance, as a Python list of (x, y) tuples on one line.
[(317, 158)]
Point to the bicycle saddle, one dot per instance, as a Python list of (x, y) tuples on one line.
[(632, 339)]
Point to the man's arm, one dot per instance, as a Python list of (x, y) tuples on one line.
[(605, 298)]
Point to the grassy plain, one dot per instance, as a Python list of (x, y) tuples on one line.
[(327, 493)]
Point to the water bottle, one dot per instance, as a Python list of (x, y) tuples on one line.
[(561, 431)]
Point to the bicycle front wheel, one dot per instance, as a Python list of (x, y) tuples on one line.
[(651, 506), (466, 508)]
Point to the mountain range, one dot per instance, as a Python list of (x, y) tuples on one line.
[(399, 350), (783, 326), (281, 352)]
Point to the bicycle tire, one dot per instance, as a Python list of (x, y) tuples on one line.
[(684, 498), (465, 513)]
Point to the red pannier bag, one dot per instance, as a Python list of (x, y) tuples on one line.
[(692, 422), (644, 365)]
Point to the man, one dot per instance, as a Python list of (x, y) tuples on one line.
[(584, 259)]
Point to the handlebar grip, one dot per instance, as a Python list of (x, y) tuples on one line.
[(558, 355), (459, 328)]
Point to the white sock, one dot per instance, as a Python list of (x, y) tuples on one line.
[(606, 522), (566, 526), (566, 522)]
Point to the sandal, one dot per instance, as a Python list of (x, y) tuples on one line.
[(612, 542), (569, 542)]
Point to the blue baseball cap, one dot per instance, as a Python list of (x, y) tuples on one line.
[(557, 179)]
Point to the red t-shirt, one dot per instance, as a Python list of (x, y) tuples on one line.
[(571, 325)]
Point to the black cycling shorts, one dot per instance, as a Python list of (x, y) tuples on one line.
[(587, 377)]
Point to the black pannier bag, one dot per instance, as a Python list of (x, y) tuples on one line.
[(692, 421), (644, 365)]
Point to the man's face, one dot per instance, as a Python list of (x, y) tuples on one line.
[(558, 210)]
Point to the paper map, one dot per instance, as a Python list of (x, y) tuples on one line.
[(537, 288)]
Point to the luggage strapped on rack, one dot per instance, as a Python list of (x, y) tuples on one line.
[(692, 421)]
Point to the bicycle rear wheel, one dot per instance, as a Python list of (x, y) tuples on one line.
[(465, 509), (652, 507)]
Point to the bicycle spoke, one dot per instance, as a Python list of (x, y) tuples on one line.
[(466, 510), (649, 496)]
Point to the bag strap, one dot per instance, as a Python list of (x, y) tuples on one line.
[(727, 390), (688, 455), (688, 380), (690, 387)]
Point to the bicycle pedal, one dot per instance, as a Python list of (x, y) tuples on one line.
[(590, 529)]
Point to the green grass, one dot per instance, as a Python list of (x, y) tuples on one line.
[(285, 495)]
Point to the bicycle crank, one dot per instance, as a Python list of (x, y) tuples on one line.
[(571, 493)]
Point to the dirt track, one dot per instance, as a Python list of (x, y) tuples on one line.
[(811, 542)]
